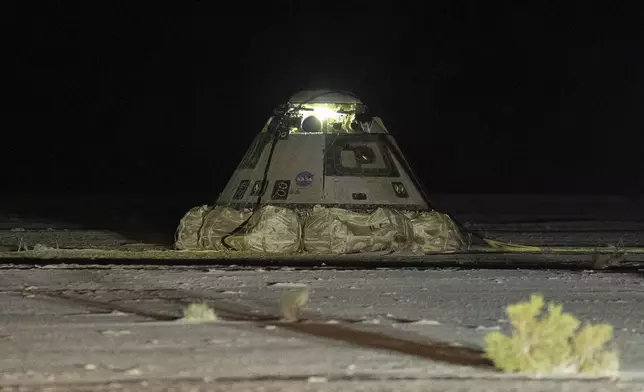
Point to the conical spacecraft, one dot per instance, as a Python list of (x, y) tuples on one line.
[(322, 176)]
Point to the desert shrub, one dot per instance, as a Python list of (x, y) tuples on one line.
[(551, 343)]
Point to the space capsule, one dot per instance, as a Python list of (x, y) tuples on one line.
[(323, 176)]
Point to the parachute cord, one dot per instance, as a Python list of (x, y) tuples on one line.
[(263, 185)]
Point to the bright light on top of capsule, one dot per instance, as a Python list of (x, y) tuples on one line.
[(332, 117), (324, 113)]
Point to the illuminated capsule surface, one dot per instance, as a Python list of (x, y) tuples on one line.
[(323, 148)]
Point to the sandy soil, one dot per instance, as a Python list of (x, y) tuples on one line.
[(48, 339)]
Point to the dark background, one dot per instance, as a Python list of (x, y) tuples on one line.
[(483, 97)]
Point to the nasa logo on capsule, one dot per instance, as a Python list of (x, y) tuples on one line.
[(304, 178)]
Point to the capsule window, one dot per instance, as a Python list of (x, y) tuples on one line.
[(358, 156)]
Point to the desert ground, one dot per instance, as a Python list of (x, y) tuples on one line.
[(90, 325)]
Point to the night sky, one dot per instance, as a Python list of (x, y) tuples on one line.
[(481, 96)]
